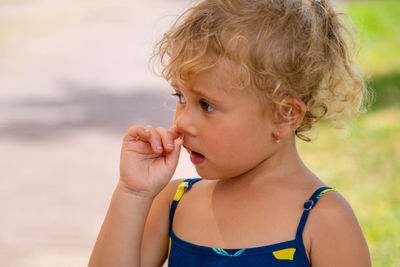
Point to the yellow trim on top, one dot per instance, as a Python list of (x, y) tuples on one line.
[(180, 191), (284, 254), (169, 246), (327, 190)]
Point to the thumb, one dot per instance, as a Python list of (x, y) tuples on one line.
[(173, 157), (175, 132)]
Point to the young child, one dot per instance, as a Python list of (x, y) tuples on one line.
[(250, 76)]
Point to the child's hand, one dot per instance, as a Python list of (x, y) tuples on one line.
[(148, 159)]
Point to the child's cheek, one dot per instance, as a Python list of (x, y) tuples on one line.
[(222, 139)]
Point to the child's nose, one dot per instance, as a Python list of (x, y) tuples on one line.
[(184, 122)]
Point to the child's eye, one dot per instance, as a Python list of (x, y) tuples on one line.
[(181, 98), (206, 106)]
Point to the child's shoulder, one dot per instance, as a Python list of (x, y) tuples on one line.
[(170, 190), (332, 230), (332, 208), (166, 196)]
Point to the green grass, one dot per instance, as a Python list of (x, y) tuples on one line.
[(386, 89), (379, 26), (363, 162)]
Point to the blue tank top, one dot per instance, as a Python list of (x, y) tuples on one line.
[(289, 253)]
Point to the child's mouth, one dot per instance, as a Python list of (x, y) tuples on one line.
[(196, 158)]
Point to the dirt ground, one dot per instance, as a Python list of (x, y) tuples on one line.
[(73, 76)]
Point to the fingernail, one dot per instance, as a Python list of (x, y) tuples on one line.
[(170, 145), (159, 148), (146, 130)]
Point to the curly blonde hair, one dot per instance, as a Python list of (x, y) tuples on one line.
[(285, 48)]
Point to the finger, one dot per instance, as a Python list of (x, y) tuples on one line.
[(135, 133), (173, 157), (154, 139), (175, 132), (166, 139), (142, 134)]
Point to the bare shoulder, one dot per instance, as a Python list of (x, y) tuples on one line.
[(334, 234), (162, 202), (167, 194)]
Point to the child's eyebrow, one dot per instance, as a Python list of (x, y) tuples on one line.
[(174, 85), (199, 92)]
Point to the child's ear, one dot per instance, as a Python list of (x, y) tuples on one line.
[(289, 116)]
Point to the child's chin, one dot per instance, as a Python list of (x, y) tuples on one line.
[(209, 175)]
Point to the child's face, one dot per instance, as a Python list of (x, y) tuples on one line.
[(226, 130)]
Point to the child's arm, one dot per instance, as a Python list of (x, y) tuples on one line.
[(145, 170), (155, 242), (336, 236)]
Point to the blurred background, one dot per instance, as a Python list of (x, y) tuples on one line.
[(74, 75)]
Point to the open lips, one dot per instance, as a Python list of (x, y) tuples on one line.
[(195, 157)]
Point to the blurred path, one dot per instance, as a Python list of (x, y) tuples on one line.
[(73, 77)]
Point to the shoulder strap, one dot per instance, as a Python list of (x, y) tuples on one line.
[(308, 205), (182, 188)]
